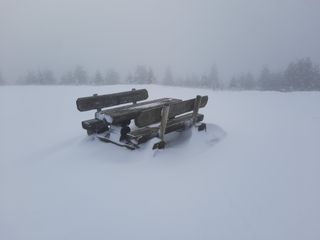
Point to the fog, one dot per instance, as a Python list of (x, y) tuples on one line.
[(187, 35)]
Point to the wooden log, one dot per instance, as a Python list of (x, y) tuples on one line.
[(109, 100)]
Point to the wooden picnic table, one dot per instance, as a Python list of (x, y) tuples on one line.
[(124, 114)]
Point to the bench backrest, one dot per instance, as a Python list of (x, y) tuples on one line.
[(102, 101), (153, 116)]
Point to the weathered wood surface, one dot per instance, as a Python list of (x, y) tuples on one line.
[(122, 114), (196, 107), (164, 120), (182, 122), (151, 116), (94, 126), (109, 100), (142, 135)]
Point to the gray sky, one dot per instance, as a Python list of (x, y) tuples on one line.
[(188, 35)]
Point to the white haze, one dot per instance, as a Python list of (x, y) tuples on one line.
[(188, 35)]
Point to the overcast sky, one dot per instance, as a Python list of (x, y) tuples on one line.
[(188, 35)]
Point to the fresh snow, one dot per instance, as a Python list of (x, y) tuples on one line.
[(254, 174)]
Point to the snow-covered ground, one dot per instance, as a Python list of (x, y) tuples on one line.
[(259, 180)]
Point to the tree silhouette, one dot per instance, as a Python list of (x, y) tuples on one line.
[(80, 75), (143, 75), (212, 80), (168, 77), (302, 75), (68, 78), (98, 79), (112, 77)]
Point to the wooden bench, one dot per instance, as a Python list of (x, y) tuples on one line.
[(153, 118), (172, 117)]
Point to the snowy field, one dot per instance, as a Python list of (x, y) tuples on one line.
[(259, 180)]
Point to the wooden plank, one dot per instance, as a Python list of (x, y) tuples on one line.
[(122, 114), (179, 123), (175, 124), (142, 135), (152, 116), (164, 120), (196, 108), (109, 100)]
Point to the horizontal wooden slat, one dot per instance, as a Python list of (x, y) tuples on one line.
[(109, 100), (151, 116), (179, 123)]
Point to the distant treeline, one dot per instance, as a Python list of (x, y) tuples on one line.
[(301, 75)]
